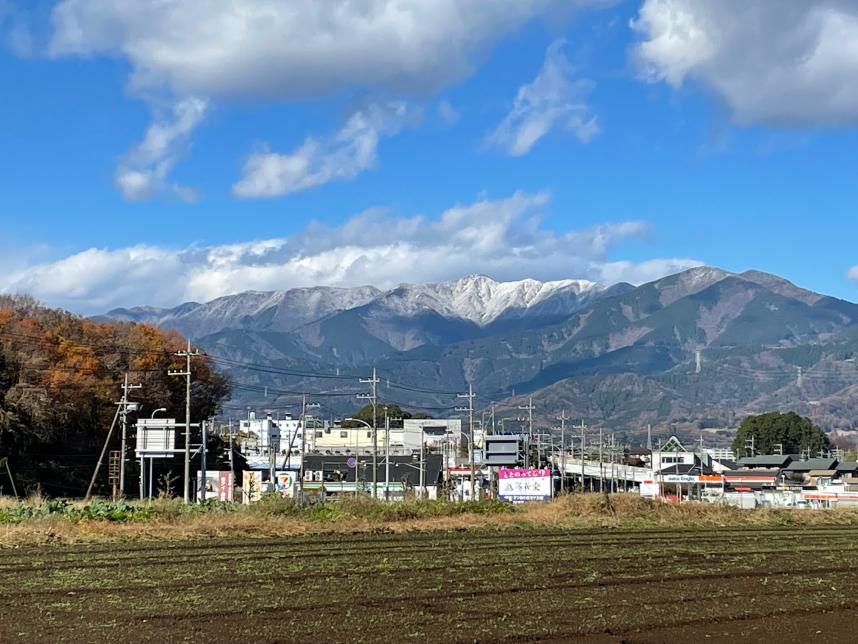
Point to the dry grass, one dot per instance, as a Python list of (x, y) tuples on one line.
[(587, 511)]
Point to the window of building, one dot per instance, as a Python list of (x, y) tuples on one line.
[(344, 434), (369, 434), (319, 434)]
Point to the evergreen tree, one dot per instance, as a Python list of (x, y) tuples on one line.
[(796, 433)]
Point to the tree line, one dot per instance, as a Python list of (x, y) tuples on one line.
[(60, 375)]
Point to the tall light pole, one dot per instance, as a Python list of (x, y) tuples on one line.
[(470, 409), (187, 354)]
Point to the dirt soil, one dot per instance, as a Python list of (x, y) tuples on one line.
[(714, 585)]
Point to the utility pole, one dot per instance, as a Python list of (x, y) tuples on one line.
[(649, 438), (583, 453), (101, 456), (529, 409), (373, 395), (187, 354), (470, 409), (601, 465), (749, 443), (203, 462), (304, 445), (387, 454), (613, 464), (123, 415), (563, 418), (231, 464)]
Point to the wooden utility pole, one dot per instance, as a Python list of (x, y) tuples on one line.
[(101, 456)]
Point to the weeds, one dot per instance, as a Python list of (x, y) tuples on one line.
[(31, 520)]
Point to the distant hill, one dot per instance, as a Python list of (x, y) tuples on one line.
[(620, 356)]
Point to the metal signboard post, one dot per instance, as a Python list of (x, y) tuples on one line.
[(156, 438)]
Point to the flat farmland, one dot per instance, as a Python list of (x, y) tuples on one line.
[(472, 585)]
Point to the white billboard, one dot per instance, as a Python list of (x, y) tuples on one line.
[(520, 485), (156, 437)]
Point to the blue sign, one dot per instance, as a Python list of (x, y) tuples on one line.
[(352, 461)]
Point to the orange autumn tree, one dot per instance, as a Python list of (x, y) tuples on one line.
[(59, 377)]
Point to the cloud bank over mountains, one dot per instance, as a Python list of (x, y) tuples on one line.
[(503, 238)]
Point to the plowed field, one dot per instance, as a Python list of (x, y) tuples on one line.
[(518, 585)]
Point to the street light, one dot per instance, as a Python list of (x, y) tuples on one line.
[(157, 410), (357, 447)]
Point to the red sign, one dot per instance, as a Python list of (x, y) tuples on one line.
[(522, 473)]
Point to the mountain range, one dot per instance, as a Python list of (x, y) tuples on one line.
[(691, 351)]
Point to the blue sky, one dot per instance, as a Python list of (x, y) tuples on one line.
[(669, 133)]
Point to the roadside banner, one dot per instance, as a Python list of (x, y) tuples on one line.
[(218, 484), (649, 489), (521, 485)]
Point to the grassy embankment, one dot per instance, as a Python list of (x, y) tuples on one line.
[(40, 521)]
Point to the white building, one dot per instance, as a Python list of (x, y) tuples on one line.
[(258, 434), (437, 434)]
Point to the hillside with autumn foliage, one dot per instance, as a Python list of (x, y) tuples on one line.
[(60, 376)]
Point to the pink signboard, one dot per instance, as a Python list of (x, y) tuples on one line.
[(519, 485)]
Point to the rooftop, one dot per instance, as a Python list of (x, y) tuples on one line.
[(766, 460), (812, 464)]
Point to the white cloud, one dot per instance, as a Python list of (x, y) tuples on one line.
[(15, 31), (551, 100), (342, 156), (447, 112), (787, 63), (294, 49), (853, 273), (288, 50), (503, 238), (142, 174)]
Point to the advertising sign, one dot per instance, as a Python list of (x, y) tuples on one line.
[(649, 489), (218, 484), (286, 482), (680, 478), (251, 490), (520, 485)]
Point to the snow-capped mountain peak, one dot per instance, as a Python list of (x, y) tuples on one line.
[(481, 299), (478, 299)]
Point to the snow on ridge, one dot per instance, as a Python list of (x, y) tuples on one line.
[(481, 299)]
